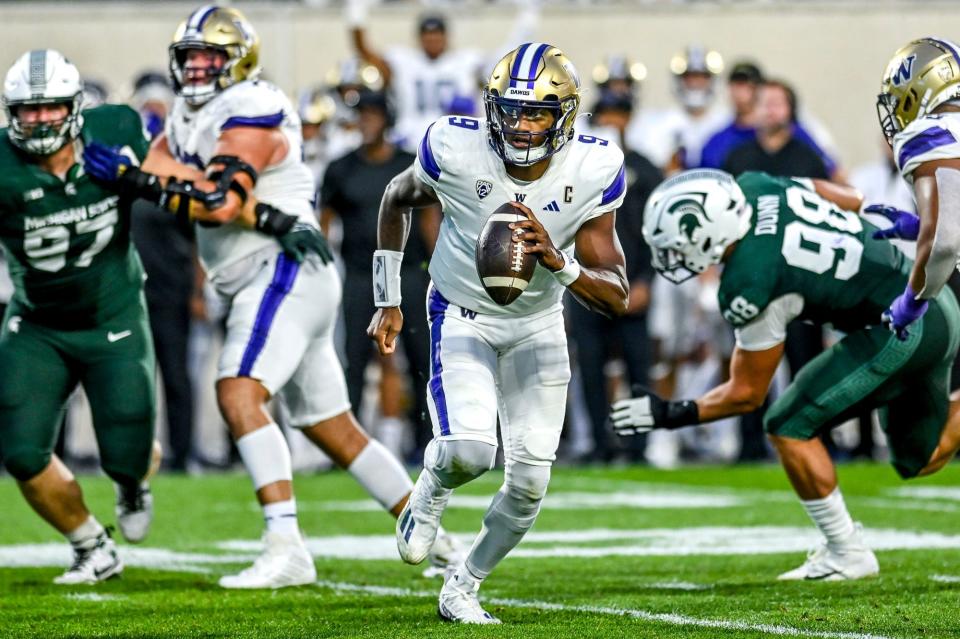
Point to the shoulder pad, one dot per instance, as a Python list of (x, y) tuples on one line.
[(933, 137), (252, 104)]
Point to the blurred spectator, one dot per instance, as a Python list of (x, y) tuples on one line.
[(775, 148), (599, 339), (166, 250), (743, 85), (881, 183), (618, 75), (352, 190), (433, 79), (424, 81), (673, 139), (95, 93)]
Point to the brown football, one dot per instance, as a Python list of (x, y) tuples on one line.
[(504, 269)]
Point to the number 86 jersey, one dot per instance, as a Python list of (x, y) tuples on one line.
[(803, 258), (68, 240)]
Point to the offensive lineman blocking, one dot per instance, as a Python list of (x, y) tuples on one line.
[(230, 135), (490, 361)]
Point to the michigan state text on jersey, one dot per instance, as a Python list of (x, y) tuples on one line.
[(78, 314), (789, 252)]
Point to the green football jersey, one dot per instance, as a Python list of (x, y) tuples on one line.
[(801, 244), (68, 240)]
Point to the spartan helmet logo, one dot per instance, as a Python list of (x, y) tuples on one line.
[(691, 215), (904, 71)]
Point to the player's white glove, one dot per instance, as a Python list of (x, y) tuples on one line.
[(646, 411)]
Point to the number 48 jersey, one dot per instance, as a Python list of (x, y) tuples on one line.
[(68, 240), (584, 180), (802, 257)]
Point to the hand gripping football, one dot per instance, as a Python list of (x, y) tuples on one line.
[(504, 269)]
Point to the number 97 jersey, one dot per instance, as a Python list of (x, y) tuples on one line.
[(68, 240), (803, 258)]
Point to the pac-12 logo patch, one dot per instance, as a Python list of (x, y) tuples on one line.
[(484, 188)]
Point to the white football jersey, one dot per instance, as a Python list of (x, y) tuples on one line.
[(193, 134), (932, 137), (585, 179), (423, 88)]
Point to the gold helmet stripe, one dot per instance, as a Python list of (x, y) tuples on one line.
[(527, 63)]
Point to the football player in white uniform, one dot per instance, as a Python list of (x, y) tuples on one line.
[(230, 135), (490, 360), (919, 109), (424, 81)]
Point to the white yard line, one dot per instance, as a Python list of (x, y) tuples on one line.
[(93, 596), (642, 615), (946, 579)]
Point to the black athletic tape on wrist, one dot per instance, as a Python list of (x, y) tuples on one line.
[(272, 221), (679, 414), (176, 198), (139, 184)]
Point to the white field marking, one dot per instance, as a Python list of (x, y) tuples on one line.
[(553, 501), (93, 596), (907, 504), (928, 492), (42, 555), (653, 542), (946, 579), (671, 619)]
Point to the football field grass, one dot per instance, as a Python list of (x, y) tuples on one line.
[(629, 552)]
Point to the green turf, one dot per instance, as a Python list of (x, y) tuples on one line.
[(194, 514)]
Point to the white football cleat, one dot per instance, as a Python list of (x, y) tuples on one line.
[(459, 603), (827, 563), (134, 512), (285, 561), (419, 522), (90, 565)]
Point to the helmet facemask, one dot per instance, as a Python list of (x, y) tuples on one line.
[(886, 113), (197, 94), (503, 119), (44, 138)]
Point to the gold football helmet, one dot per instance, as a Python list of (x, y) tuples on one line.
[(920, 77), (533, 78), (222, 29)]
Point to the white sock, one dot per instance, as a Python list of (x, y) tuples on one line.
[(85, 534), (381, 474), (831, 517), (266, 455), (464, 578), (281, 517)]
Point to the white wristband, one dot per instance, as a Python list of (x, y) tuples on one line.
[(386, 278), (570, 271)]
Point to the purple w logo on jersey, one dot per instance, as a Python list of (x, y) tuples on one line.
[(904, 71)]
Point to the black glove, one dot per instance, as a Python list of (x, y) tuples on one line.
[(646, 411), (303, 239)]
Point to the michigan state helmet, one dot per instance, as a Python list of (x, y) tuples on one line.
[(691, 219), (920, 77), (43, 76), (532, 80), (222, 29)]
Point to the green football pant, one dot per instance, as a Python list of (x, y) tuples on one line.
[(40, 367), (909, 381)]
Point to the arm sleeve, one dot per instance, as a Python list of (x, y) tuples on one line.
[(769, 328)]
